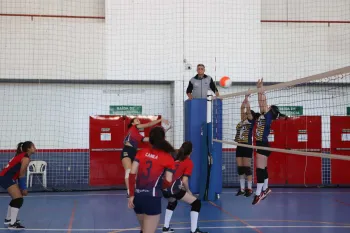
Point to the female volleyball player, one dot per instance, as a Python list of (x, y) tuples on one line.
[(183, 170), (131, 141), (149, 166), (16, 169), (244, 154), (268, 114)]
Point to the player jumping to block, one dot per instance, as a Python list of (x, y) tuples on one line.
[(244, 154), (268, 115), (149, 166), (180, 190), (16, 169), (131, 141)]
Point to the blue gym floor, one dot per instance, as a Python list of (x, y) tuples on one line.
[(285, 210)]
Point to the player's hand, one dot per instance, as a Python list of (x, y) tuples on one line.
[(131, 203), (259, 84), (165, 121), (25, 192)]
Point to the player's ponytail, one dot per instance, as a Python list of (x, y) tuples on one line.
[(19, 148), (184, 151), (157, 140), (131, 122)]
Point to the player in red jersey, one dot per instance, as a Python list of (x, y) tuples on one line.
[(180, 190), (150, 165), (16, 169), (131, 141)]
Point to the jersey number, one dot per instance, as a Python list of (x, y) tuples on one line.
[(149, 167)]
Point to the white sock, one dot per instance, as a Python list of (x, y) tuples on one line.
[(8, 216), (128, 191), (194, 220), (168, 215), (242, 182), (259, 188), (14, 213), (250, 183), (266, 184)]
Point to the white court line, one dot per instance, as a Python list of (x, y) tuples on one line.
[(281, 192), (185, 228), (122, 194), (70, 195)]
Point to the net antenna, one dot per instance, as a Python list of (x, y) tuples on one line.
[(331, 80)]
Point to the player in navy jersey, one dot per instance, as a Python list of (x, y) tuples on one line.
[(147, 171), (244, 154), (131, 141), (16, 170), (268, 115), (180, 190)]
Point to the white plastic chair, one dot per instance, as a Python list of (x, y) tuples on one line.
[(36, 167)]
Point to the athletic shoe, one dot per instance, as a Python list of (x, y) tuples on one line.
[(257, 199), (198, 231), (240, 193), (266, 193), (248, 192), (167, 230), (16, 226), (8, 221)]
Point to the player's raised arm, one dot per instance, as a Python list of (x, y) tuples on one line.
[(261, 97), (152, 123)]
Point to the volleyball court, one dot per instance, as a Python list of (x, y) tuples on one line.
[(73, 74)]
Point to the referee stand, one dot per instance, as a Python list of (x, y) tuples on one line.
[(203, 121)]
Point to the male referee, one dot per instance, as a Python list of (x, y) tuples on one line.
[(200, 84)]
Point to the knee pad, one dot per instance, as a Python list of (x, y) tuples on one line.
[(127, 172), (260, 175), (248, 171), (266, 173), (172, 205), (240, 171), (180, 194), (196, 206), (17, 203)]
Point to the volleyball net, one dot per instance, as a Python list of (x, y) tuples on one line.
[(311, 146)]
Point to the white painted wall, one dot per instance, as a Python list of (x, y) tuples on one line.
[(57, 115), (291, 51), (142, 40)]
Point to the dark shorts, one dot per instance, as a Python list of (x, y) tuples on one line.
[(244, 152), (147, 205), (263, 152), (128, 152), (6, 182)]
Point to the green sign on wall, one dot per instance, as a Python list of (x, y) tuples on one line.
[(291, 110), (348, 111), (125, 110)]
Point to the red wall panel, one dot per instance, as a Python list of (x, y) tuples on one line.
[(340, 144)]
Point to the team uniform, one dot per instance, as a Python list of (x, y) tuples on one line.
[(244, 133), (263, 131), (10, 173), (134, 138), (182, 168), (148, 191)]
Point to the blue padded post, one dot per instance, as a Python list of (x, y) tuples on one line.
[(203, 179), (216, 168), (195, 116), (212, 175)]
